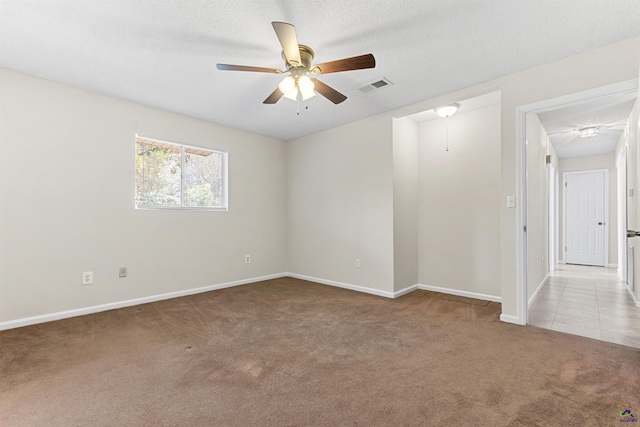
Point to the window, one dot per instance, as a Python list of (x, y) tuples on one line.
[(171, 175)]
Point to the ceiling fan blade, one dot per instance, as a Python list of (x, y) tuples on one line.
[(229, 67), (274, 97), (287, 36), (328, 92), (347, 64)]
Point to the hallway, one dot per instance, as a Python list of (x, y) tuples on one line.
[(590, 302)]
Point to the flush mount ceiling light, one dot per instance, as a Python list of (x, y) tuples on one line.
[(588, 132), (447, 110)]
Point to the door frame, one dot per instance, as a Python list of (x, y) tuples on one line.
[(522, 308), (552, 255), (606, 212), (621, 200)]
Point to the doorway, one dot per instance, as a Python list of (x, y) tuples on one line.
[(598, 291)]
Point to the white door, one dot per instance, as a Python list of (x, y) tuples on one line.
[(585, 217)]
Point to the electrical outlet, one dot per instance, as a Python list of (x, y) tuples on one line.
[(87, 278), (122, 272), (357, 263), (247, 259)]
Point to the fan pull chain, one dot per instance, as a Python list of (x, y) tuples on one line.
[(306, 107), (447, 122)]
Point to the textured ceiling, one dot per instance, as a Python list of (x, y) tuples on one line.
[(608, 113), (163, 53)]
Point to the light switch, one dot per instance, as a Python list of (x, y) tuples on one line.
[(511, 201)]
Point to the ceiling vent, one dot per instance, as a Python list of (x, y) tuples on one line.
[(375, 85)]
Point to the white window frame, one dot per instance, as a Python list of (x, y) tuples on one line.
[(225, 178)]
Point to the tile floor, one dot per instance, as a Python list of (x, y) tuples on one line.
[(587, 301)]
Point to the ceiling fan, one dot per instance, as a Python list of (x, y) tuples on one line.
[(297, 59)]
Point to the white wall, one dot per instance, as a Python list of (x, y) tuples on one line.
[(405, 203), (340, 207), (599, 67), (629, 143), (459, 199), (538, 147), (596, 68), (599, 161), (621, 197), (632, 133), (67, 203)]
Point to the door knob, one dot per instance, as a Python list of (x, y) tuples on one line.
[(633, 233), (599, 223)]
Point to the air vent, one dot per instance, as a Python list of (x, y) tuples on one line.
[(375, 85)]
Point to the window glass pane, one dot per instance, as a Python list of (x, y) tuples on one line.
[(158, 175), (203, 184)]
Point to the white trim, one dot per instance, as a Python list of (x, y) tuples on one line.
[(406, 290), (521, 219), (538, 290), (613, 266), (11, 324), (521, 134), (510, 319), (127, 303), (621, 210), (561, 261), (460, 293), (349, 286), (636, 301), (551, 224), (605, 210)]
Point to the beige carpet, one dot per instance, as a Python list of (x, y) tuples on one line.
[(291, 353)]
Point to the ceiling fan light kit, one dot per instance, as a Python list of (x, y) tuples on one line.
[(588, 132), (298, 59)]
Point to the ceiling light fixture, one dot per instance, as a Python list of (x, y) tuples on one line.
[(447, 110), (306, 87), (289, 88), (588, 132), (291, 85)]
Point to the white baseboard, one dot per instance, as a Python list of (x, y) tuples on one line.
[(127, 303), (540, 286), (510, 319), (460, 293), (144, 300), (349, 286), (613, 266), (405, 291), (633, 297), (560, 261)]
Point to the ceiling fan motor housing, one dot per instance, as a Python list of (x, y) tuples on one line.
[(306, 57)]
